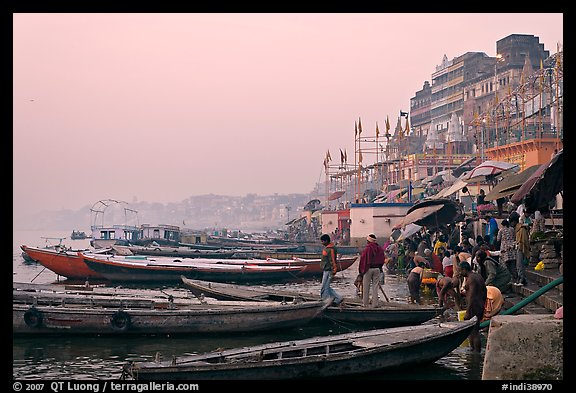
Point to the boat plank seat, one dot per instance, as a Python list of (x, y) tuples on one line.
[(91, 301)]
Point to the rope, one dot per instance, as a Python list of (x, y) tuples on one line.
[(35, 277)]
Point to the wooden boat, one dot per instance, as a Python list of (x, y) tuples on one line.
[(387, 314), (34, 312), (179, 252), (313, 266), (339, 355), (156, 269), (62, 262)]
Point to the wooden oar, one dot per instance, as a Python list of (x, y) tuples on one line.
[(383, 293)]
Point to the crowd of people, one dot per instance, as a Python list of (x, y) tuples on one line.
[(473, 271)]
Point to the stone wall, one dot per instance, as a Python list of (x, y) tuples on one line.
[(524, 347)]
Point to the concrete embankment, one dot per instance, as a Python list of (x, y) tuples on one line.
[(524, 347)]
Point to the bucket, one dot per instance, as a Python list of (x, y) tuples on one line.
[(461, 315)]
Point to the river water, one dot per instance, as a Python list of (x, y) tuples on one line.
[(98, 357)]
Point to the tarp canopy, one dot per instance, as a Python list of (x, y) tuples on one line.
[(335, 195), (509, 185), (445, 192), (542, 186), (393, 194), (487, 171), (432, 213)]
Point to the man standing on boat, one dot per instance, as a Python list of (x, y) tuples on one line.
[(371, 262), (329, 268)]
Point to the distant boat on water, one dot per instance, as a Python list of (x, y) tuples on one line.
[(78, 235)]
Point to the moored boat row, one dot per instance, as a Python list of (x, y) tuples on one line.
[(41, 311), (141, 268)]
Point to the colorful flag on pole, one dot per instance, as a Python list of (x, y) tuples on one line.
[(387, 125), (407, 128), (377, 130), (355, 129), (345, 156), (359, 126), (341, 157), (360, 156)]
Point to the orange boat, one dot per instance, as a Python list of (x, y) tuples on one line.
[(61, 262)]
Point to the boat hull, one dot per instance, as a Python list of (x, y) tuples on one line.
[(67, 264), (63, 319), (320, 357), (388, 314), (116, 270)]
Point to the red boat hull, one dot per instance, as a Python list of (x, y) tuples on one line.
[(67, 264)]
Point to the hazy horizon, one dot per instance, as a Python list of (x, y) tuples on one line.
[(159, 107)]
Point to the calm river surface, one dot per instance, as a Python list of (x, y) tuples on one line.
[(95, 358)]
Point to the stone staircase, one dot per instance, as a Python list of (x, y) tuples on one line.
[(550, 301), (546, 303)]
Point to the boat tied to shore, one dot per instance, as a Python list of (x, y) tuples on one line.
[(338, 355)]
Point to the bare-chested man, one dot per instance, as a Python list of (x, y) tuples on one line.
[(475, 292)]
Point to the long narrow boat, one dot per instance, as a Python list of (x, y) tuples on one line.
[(180, 252), (339, 355), (163, 269), (64, 263), (313, 266), (38, 312), (388, 314)]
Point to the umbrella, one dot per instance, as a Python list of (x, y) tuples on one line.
[(509, 185), (445, 192), (393, 194), (408, 231), (312, 205), (391, 187), (487, 170), (437, 180), (335, 195), (543, 185), (415, 191), (433, 213)]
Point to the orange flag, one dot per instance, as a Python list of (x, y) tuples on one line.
[(387, 125), (360, 156), (359, 126), (355, 129), (407, 128), (377, 131)]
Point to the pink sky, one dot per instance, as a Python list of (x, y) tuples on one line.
[(159, 107)]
